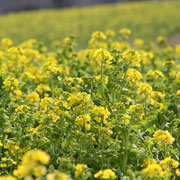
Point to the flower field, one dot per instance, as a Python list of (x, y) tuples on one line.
[(147, 20), (110, 111)]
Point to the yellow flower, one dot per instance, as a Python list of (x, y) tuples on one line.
[(156, 104), (57, 176), (33, 97), (101, 111), (133, 76), (98, 119), (1, 55), (53, 116), (6, 42), (4, 159), (87, 118), (79, 97), (101, 55), (125, 32), (50, 66), (39, 170), (43, 88), (178, 92), (156, 94), (152, 170), (105, 174), (144, 88), (148, 161), (87, 127), (177, 49), (13, 162), (110, 33), (155, 74), (22, 108), (95, 43), (126, 119), (178, 77), (79, 169), (177, 172), (3, 165), (32, 164), (17, 50), (18, 92), (11, 83), (79, 121), (137, 110), (166, 161), (65, 104), (7, 177), (161, 39), (132, 56), (120, 45), (162, 137), (175, 164), (138, 42), (99, 35), (27, 75), (169, 63), (45, 102), (36, 155)]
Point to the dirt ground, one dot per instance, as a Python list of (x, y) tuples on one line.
[(174, 39)]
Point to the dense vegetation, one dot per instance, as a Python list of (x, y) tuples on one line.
[(146, 19), (110, 111)]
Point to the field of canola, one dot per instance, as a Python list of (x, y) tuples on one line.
[(146, 19), (110, 111)]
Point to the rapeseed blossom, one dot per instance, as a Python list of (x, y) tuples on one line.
[(103, 55), (33, 97), (30, 164), (153, 170), (132, 56), (162, 138), (155, 74), (79, 169), (105, 174), (57, 176), (177, 50), (6, 42), (133, 76), (99, 35), (7, 177)]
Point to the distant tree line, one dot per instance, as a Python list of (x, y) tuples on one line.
[(18, 5)]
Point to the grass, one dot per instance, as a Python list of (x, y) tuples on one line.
[(146, 20)]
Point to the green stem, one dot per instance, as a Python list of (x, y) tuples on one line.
[(52, 86), (103, 149), (125, 157), (102, 88), (146, 145), (177, 136)]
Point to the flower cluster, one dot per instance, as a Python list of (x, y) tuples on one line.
[(163, 138), (105, 174), (32, 164), (103, 55), (163, 169)]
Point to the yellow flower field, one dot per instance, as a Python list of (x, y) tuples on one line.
[(147, 20), (110, 111)]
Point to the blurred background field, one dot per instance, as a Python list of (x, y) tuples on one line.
[(146, 20)]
